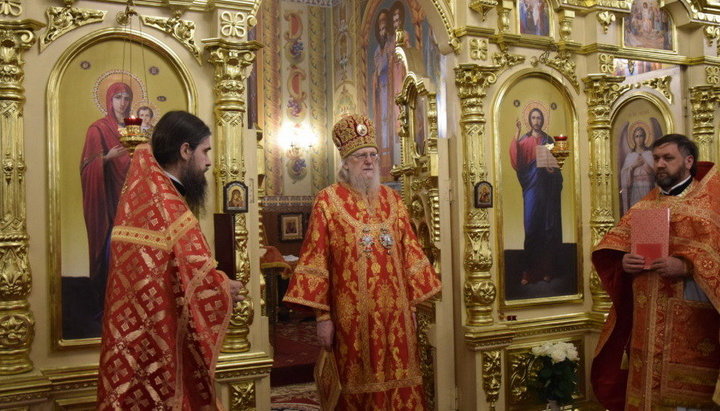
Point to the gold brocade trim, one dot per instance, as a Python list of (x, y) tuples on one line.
[(318, 272), (426, 295), (274, 265), (381, 386), (695, 379), (417, 268), (302, 301), (337, 203), (163, 240)]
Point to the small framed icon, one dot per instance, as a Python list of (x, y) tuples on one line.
[(483, 195), (235, 197), (291, 227)]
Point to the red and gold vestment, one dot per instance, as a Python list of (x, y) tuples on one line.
[(167, 307), (363, 264), (672, 341)]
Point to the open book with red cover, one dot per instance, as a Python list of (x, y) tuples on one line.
[(327, 380), (650, 233)]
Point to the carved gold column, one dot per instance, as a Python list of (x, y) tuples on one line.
[(492, 376), (602, 91), (479, 289), (17, 325), (232, 61), (702, 103)]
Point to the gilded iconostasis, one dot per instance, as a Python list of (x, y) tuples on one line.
[(463, 94)]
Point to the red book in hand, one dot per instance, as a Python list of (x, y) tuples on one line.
[(650, 233)]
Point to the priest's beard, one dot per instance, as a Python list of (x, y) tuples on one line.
[(195, 185), (368, 186), (667, 180)]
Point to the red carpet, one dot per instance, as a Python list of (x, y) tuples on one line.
[(296, 349), (301, 397)]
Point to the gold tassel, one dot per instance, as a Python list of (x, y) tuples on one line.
[(625, 363)]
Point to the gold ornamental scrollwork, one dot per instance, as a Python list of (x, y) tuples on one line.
[(602, 91), (479, 49), (11, 8), (712, 33), (472, 82), (562, 62), (607, 63), (504, 59), (492, 376), (181, 30), (242, 396), (232, 24), (703, 100), (233, 62), (425, 319), (606, 18), (661, 84), (17, 325), (62, 20), (483, 6), (712, 75)]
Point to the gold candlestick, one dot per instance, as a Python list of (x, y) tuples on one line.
[(561, 149)]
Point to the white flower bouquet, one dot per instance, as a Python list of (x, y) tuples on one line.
[(556, 378)]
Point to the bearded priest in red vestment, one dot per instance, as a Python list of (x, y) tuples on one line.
[(167, 307), (659, 347), (363, 271)]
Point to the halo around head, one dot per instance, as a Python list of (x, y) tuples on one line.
[(111, 77), (631, 133), (543, 109)]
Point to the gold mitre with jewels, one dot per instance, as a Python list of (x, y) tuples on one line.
[(352, 133)]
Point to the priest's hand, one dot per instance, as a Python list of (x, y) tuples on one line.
[(670, 267), (633, 263), (325, 332), (236, 291)]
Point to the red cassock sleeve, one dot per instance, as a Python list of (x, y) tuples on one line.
[(310, 281)]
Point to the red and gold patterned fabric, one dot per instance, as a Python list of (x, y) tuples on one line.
[(672, 342), (367, 269), (167, 307)]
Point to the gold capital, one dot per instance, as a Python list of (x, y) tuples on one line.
[(703, 100)]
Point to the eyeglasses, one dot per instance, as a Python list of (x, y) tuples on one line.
[(365, 156)]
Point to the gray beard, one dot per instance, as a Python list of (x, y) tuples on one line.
[(366, 186)]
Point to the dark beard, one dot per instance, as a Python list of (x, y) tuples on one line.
[(195, 185), (667, 182)]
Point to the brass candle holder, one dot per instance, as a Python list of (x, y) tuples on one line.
[(132, 135), (561, 149)]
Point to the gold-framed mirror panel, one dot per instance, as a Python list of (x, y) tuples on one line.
[(69, 98), (634, 107), (518, 295)]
